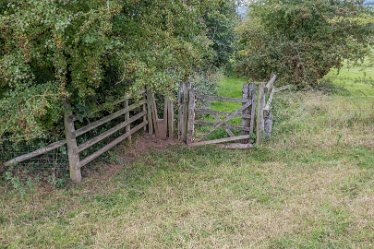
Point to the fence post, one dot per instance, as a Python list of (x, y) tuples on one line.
[(149, 112), (71, 141), (191, 115), (180, 112), (183, 112), (170, 117), (260, 114), (252, 94)]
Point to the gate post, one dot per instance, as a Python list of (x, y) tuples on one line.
[(183, 112), (252, 94), (260, 114), (191, 115)]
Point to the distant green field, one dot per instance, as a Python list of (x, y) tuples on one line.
[(357, 80)]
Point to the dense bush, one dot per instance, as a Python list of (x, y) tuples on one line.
[(92, 52), (302, 40)]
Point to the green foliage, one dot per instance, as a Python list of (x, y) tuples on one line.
[(302, 40), (92, 52), (221, 18)]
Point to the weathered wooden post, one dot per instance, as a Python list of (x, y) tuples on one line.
[(149, 112), (170, 117), (268, 117), (71, 141), (183, 112), (246, 112), (252, 94), (191, 115), (260, 114)]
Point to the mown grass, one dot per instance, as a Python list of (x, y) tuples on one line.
[(310, 186)]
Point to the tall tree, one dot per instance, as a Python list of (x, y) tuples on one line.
[(92, 52), (302, 40)]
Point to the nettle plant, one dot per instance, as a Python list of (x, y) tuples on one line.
[(92, 52)]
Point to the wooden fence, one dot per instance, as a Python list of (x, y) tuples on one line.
[(145, 115), (131, 125)]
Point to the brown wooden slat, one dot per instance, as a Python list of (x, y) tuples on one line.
[(221, 99), (112, 144), (208, 123), (202, 111), (108, 118), (110, 132), (222, 140)]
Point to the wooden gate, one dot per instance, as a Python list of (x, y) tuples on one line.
[(199, 122)]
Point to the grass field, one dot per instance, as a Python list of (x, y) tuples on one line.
[(311, 186)]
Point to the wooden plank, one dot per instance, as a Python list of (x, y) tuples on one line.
[(229, 132), (246, 112), (236, 146), (220, 99), (149, 112), (260, 114), (222, 140), (107, 119), (204, 111), (270, 100), (191, 115), (252, 90), (111, 131), (112, 144), (35, 153), (71, 141), (268, 123), (269, 85), (155, 116), (279, 89), (208, 123)]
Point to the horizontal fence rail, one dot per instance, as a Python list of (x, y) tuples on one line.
[(140, 112), (109, 146), (220, 99)]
